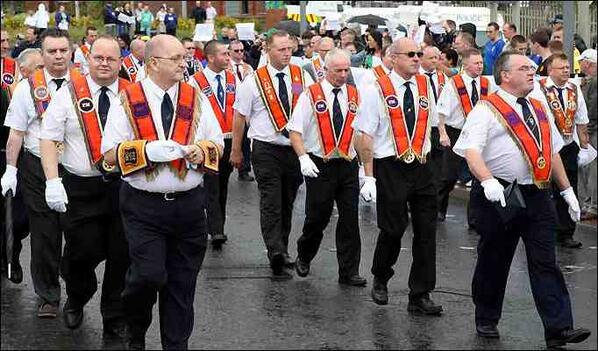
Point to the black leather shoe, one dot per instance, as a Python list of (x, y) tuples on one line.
[(136, 344), (424, 306), (379, 292), (218, 240), (355, 280), (487, 331), (16, 272), (302, 268), (441, 217), (288, 261), (73, 315), (279, 271), (568, 336), (245, 178), (118, 329), (569, 243)]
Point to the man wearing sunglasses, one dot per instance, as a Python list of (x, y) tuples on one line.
[(454, 104), (93, 229), (506, 138), (394, 121)]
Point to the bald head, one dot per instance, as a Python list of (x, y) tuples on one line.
[(162, 45), (138, 48), (165, 60), (430, 58), (403, 64)]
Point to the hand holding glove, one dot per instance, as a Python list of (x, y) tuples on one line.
[(494, 191), (164, 150), (571, 200), (9, 180), (368, 190), (56, 195), (308, 167)]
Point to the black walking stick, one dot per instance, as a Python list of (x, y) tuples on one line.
[(9, 238)]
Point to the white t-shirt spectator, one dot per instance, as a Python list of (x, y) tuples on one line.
[(30, 21), (211, 13)]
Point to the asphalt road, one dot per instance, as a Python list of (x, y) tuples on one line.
[(238, 306)]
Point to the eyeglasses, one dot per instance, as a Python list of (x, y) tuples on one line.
[(174, 59), (238, 50), (524, 69), (411, 54), (109, 60)]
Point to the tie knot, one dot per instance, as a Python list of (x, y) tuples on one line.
[(406, 84), (166, 97), (336, 91), (104, 90), (473, 82), (218, 77), (522, 102), (430, 74), (58, 82), (280, 75)]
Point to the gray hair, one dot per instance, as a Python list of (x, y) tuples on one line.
[(335, 54), (503, 63), (24, 55)]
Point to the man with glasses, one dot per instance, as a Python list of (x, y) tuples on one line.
[(266, 103), (88, 189), (394, 121), (163, 136), (454, 104), (570, 114), (192, 64), (509, 137), (28, 105)]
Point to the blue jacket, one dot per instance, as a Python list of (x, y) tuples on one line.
[(491, 53), (109, 15), (58, 18), (170, 20)]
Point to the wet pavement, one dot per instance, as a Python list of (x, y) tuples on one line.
[(237, 306)]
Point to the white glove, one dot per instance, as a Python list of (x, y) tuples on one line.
[(368, 190), (494, 191), (9, 180), (164, 150), (571, 200), (308, 167), (586, 156), (56, 195)]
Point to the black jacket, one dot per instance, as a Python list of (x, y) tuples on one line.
[(199, 13)]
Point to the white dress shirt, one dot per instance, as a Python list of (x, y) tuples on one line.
[(21, 114), (244, 68), (372, 116), (304, 120), (249, 103), (140, 68), (581, 114), (485, 133), (61, 123), (449, 103), (81, 59), (119, 129), (434, 77), (363, 77)]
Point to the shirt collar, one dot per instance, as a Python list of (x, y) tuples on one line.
[(95, 87), (467, 79), (511, 99), (400, 80), (327, 87), (158, 92), (273, 71), (211, 75), (66, 76), (423, 71), (550, 83)]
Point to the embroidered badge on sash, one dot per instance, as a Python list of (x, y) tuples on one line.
[(85, 105), (321, 106), (423, 102), (40, 93), (8, 78), (392, 101)]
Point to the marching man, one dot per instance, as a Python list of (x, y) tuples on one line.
[(82, 51), (132, 66)]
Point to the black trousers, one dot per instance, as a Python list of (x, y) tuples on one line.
[(400, 184), (216, 186), (246, 147), (565, 225), (278, 177), (20, 220), (46, 231), (436, 155), (498, 242), (338, 181), (93, 232), (167, 243)]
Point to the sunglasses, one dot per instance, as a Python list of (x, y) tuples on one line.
[(238, 50), (411, 54)]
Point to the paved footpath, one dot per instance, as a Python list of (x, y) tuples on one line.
[(237, 306)]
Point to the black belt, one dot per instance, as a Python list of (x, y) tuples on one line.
[(169, 196)]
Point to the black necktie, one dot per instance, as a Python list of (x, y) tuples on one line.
[(58, 82), (409, 108), (167, 110), (529, 118), (337, 114), (474, 94), (283, 95), (560, 91), (220, 90), (433, 85), (103, 106), (239, 75), (140, 63)]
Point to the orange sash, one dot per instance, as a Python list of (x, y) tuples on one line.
[(442, 82), (9, 75), (464, 98), (318, 69), (85, 51), (379, 71), (537, 153), (39, 91), (563, 119), (131, 68), (224, 115), (88, 117), (185, 119), (276, 112), (327, 135), (407, 148)]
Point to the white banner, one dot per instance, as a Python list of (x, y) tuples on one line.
[(204, 32), (246, 31)]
